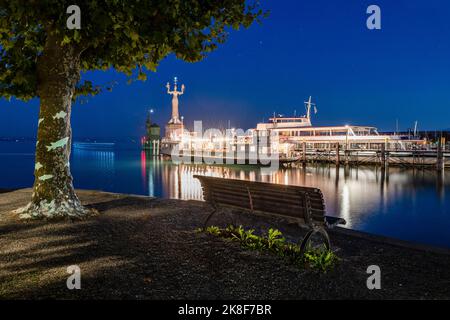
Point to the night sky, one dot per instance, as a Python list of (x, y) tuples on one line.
[(320, 48)]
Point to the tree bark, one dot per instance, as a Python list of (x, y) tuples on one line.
[(53, 194)]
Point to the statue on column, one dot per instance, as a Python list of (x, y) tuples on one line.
[(175, 93)]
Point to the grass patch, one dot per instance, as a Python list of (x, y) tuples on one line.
[(13, 285), (319, 259)]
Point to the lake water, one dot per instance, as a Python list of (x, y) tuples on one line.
[(406, 204)]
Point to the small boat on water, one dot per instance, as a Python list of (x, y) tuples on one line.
[(93, 145)]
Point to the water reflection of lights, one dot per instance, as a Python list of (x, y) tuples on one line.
[(101, 160), (351, 193), (345, 204), (144, 167), (286, 178)]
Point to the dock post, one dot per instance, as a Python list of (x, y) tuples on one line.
[(346, 155), (383, 155), (338, 160), (440, 156), (440, 184), (304, 152)]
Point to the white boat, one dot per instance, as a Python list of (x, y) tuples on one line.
[(286, 136), (295, 131)]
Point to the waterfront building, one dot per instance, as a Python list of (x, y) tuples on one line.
[(151, 141)]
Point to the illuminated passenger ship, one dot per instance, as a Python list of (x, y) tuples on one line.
[(284, 136), (296, 131)]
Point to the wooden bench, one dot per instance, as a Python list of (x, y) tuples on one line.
[(305, 205)]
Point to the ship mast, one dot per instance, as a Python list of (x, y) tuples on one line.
[(308, 105)]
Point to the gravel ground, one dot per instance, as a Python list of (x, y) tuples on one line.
[(146, 248)]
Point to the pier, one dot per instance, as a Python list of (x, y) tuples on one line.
[(437, 158)]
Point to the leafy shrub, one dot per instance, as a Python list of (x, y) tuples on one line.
[(213, 230), (319, 259), (275, 241)]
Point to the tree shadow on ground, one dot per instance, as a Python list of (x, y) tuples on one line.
[(140, 248)]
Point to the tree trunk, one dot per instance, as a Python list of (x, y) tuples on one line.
[(53, 193)]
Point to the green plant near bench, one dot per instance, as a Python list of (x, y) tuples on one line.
[(320, 259)]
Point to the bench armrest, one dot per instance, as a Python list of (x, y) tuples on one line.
[(331, 222)]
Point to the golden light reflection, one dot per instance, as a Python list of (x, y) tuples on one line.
[(350, 193), (345, 204)]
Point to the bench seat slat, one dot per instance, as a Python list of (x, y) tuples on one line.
[(268, 206), (283, 211)]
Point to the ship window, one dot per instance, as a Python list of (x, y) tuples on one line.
[(339, 133)]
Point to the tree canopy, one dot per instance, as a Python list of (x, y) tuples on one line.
[(125, 35)]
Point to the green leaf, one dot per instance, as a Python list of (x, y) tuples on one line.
[(66, 40), (113, 34)]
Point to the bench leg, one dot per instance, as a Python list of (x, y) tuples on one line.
[(324, 235), (209, 217)]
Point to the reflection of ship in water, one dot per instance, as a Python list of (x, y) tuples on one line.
[(177, 181), (350, 193)]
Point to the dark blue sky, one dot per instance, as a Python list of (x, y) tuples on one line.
[(320, 48)]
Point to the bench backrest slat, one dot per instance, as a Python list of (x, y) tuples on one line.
[(302, 203)]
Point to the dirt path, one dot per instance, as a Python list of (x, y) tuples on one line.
[(143, 248)]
